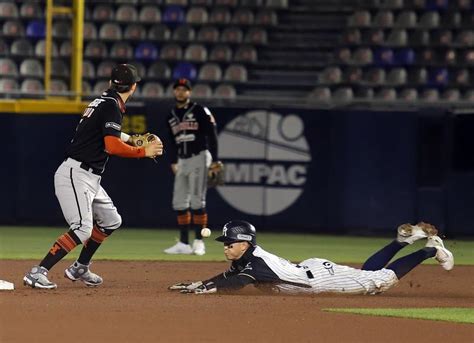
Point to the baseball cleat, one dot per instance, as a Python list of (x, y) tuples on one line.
[(179, 248), (443, 255), (81, 272), (407, 233), (38, 278), (198, 247)]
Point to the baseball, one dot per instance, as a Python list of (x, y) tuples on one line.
[(206, 232)]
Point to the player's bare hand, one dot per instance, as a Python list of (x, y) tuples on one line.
[(154, 149), (174, 168)]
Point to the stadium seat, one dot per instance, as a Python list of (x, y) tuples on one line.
[(62, 29), (266, 17), (202, 91), (236, 73), (208, 34), (135, 32), (171, 52), (383, 19), (450, 57), (121, 50), (391, 4), (406, 19), (184, 33), (408, 94), (90, 31), (252, 3), (110, 31), (159, 32), (226, 3), (319, 94), (13, 28), (29, 10), (220, 16), (183, 3), (21, 47), (418, 76), (8, 10), (146, 51), (201, 2), (104, 69), (462, 77), (31, 67), (196, 53), (185, 70), (429, 20), (468, 57), (429, 94), (197, 15), (386, 94), (243, 16), (398, 37), (232, 35), (245, 54), (361, 18), (210, 72), (256, 36), (451, 19), (375, 37), (221, 53), (436, 4), (397, 77), (419, 37), (353, 75), (86, 88), (103, 13), (428, 56), (88, 70), (150, 14), (405, 56), (100, 86), (383, 57), (465, 38), (8, 67), (225, 91), (95, 49), (451, 94), (442, 38), (159, 70), (40, 49), (152, 89), (59, 68), (375, 76), (278, 4), (65, 50), (31, 86), (173, 15), (36, 29), (468, 95), (4, 48), (8, 85), (343, 94), (59, 87), (365, 93), (438, 77), (362, 56), (126, 13)]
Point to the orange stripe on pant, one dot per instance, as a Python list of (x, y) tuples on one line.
[(184, 219), (200, 219), (66, 242), (97, 235)]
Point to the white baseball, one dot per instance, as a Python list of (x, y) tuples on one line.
[(206, 232)]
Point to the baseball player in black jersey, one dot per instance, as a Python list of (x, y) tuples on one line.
[(253, 265), (193, 129), (87, 208)]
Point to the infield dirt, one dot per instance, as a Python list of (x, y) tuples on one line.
[(134, 305)]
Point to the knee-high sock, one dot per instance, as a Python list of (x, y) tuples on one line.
[(63, 245), (184, 220), (199, 221), (383, 256), (92, 244), (404, 264)]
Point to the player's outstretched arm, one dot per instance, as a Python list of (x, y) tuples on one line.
[(115, 146)]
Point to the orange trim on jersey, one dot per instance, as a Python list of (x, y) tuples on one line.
[(115, 146), (97, 235), (184, 219), (66, 242), (200, 219)]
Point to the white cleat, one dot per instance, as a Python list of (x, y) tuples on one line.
[(198, 247), (179, 248), (443, 255), (407, 233)]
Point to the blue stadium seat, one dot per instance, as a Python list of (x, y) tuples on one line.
[(405, 56), (36, 29), (383, 57), (438, 77), (185, 70), (146, 51), (173, 15)]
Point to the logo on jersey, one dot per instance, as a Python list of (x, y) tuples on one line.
[(266, 157), (113, 125)]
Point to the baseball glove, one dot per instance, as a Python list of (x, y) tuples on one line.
[(215, 175), (144, 139)]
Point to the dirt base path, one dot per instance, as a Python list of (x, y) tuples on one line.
[(134, 305)]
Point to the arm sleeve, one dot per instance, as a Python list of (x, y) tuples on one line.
[(115, 146), (233, 282), (211, 132)]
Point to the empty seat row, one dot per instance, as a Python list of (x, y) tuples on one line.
[(402, 37), (388, 93), (409, 19), (397, 76), (405, 56), (418, 4)]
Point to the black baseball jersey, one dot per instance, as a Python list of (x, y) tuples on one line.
[(102, 117), (194, 129), (263, 269)]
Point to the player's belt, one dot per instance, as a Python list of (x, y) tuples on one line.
[(189, 155), (85, 166)]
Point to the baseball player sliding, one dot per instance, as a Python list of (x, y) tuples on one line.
[(253, 265), (87, 208), (193, 130)]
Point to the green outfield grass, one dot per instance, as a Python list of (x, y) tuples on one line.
[(146, 244), (449, 314)]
